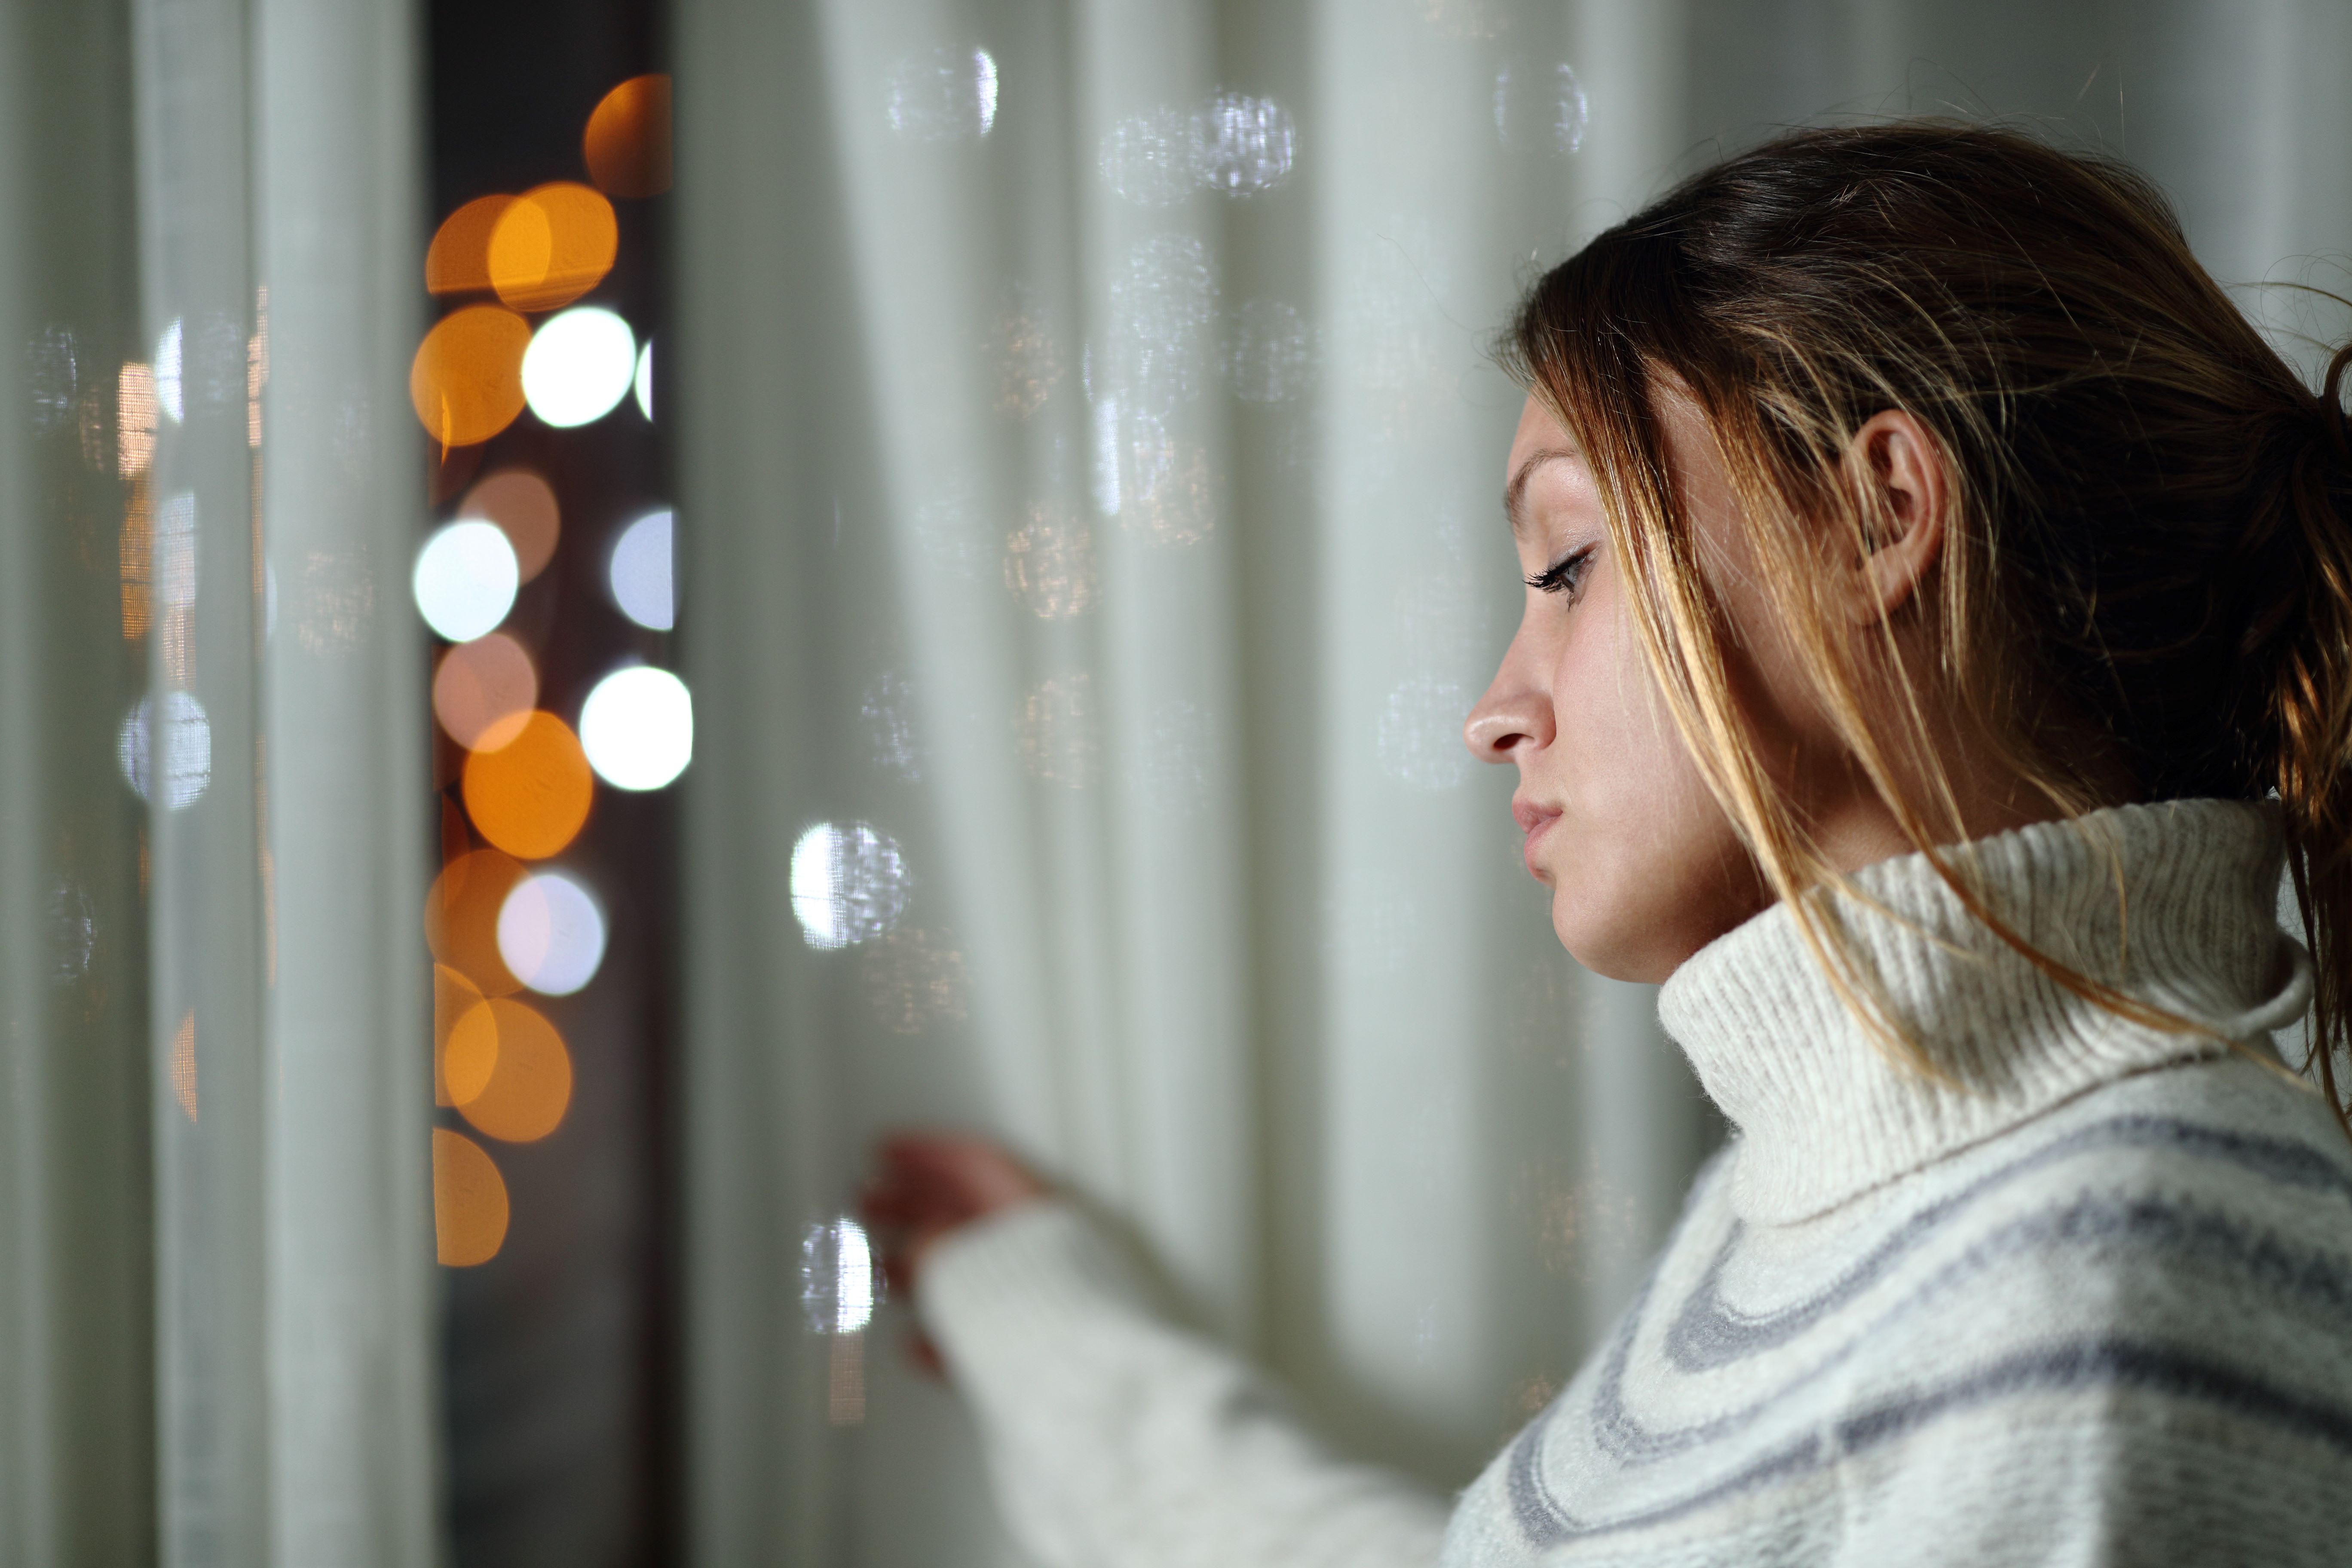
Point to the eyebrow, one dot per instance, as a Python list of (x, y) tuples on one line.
[(1515, 494)]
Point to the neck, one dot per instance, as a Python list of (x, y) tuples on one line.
[(2174, 905)]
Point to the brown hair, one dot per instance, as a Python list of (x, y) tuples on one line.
[(2147, 529)]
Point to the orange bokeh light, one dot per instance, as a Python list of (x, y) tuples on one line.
[(523, 506), (472, 1054), (530, 796), (466, 381), (453, 997), (484, 691), (461, 918), (469, 1201), (627, 142), (553, 245), (514, 1061), (459, 259), (135, 419)]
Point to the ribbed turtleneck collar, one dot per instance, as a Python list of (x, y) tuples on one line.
[(1825, 1113)]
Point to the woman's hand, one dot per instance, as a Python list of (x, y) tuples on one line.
[(927, 1185)]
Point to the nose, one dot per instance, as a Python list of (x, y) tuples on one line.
[(1511, 714)]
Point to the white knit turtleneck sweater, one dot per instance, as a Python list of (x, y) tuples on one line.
[(2083, 1294)]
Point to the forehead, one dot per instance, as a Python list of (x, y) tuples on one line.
[(1542, 446), (1539, 428)]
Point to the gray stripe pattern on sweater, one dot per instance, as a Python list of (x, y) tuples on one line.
[(2313, 1284), (2081, 1292)]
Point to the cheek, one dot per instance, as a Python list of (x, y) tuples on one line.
[(1651, 870), (1623, 755)]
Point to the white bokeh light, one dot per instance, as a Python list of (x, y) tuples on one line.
[(943, 96), (837, 1277), (645, 381), (1242, 145), (1540, 107), (579, 366), (465, 580), (849, 883), (550, 933), (185, 735), (637, 727), (642, 583), (169, 394)]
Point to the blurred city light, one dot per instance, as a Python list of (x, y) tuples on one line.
[(461, 918), (644, 380), (637, 727), (523, 505), (528, 1086), (453, 995), (483, 691), (578, 366), (551, 933), (642, 573), (470, 1054), (837, 1277), (1242, 144), (530, 796), (943, 96), (548, 285), (184, 1066), (628, 143), (465, 580), (552, 244), (469, 1201), (459, 260), (186, 737), (135, 419), (848, 883), (465, 383), (168, 392)]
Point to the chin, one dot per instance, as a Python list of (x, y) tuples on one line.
[(1604, 946), (1619, 939)]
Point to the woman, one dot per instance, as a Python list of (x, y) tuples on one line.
[(1938, 631)]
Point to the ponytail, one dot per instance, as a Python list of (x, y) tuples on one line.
[(2309, 723)]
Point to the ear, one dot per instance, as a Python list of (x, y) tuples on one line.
[(1894, 456)]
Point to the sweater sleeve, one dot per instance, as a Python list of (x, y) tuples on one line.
[(1117, 1440)]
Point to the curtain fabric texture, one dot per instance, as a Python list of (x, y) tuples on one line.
[(1095, 613), (216, 1243), (1091, 453)]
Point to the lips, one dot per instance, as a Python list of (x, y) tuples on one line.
[(1535, 821)]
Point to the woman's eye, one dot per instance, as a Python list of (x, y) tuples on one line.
[(1563, 575)]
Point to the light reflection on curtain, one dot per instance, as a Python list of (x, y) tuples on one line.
[(214, 1232), (1090, 491), (1121, 543)]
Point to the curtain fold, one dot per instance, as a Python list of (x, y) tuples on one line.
[(1090, 449), (217, 1237), (76, 1422), (1094, 618)]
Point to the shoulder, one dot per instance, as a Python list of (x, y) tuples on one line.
[(2154, 1200), (2154, 1282), (2168, 1204)]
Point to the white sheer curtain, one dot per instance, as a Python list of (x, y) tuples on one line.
[(1091, 476), (215, 1306), (1091, 457)]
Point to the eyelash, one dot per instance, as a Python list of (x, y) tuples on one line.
[(1564, 575)]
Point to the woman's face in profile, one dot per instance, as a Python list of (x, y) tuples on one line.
[(1644, 868)]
